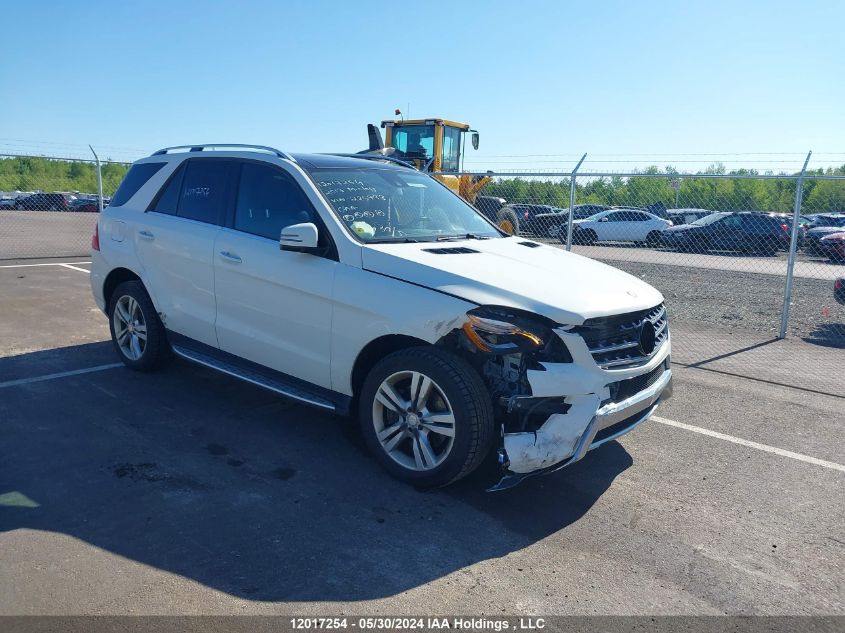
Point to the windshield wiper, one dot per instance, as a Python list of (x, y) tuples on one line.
[(395, 240), (465, 236)]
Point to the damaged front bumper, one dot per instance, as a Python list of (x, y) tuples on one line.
[(599, 410)]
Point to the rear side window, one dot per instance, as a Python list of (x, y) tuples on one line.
[(205, 190), (135, 178), (167, 200), (268, 201), (197, 190)]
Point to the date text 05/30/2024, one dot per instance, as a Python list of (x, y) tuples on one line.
[(418, 623)]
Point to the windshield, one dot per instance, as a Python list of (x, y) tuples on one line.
[(709, 219), (386, 205), (595, 216)]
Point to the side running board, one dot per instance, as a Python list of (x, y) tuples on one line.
[(263, 379)]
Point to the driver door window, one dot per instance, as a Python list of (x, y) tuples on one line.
[(268, 201)]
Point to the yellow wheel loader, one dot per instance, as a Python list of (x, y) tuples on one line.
[(437, 146)]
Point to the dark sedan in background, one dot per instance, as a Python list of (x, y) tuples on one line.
[(833, 246), (821, 227), (86, 205), (45, 202), (743, 231)]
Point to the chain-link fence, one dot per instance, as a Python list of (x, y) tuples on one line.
[(738, 274), (48, 206)]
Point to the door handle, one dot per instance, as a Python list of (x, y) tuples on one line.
[(146, 235), (230, 257)]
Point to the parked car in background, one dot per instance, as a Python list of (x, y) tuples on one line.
[(824, 219), (821, 227), (45, 202), (6, 203), (743, 231), (618, 225), (839, 290), (491, 208), (833, 246), (686, 216), (785, 220), (86, 205), (522, 216), (553, 222)]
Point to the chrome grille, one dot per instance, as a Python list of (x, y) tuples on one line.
[(614, 341)]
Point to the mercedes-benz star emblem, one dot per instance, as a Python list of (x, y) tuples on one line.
[(648, 338)]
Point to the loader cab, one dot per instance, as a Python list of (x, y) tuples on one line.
[(434, 145)]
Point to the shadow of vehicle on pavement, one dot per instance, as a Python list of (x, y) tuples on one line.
[(828, 335), (194, 473)]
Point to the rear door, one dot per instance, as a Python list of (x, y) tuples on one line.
[(640, 225), (175, 243), (274, 307)]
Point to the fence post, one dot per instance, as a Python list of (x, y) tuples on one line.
[(572, 204), (793, 247), (99, 179)]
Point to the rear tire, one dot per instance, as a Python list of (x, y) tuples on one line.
[(136, 329), (436, 437)]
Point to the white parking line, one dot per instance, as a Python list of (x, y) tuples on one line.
[(750, 444), (50, 264), (72, 267), (62, 374)]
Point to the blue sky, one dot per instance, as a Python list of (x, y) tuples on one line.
[(543, 81)]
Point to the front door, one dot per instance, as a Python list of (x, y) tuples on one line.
[(274, 307)]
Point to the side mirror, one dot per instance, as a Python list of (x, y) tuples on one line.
[(604, 220), (475, 140), (299, 237)]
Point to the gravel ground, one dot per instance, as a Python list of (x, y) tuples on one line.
[(747, 300)]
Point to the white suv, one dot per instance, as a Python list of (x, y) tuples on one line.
[(362, 286)]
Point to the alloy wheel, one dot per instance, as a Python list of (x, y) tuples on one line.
[(413, 420), (130, 328)]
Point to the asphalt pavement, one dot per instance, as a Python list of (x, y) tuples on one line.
[(187, 492)]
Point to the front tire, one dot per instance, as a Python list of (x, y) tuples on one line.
[(136, 329), (426, 416), (586, 237), (508, 222)]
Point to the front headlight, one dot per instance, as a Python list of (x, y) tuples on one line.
[(489, 333)]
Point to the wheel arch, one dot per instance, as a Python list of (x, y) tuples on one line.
[(377, 349), (118, 276)]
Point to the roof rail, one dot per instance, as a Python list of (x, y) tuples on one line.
[(389, 159), (205, 146)]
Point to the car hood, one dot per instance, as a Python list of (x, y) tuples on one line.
[(545, 280)]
